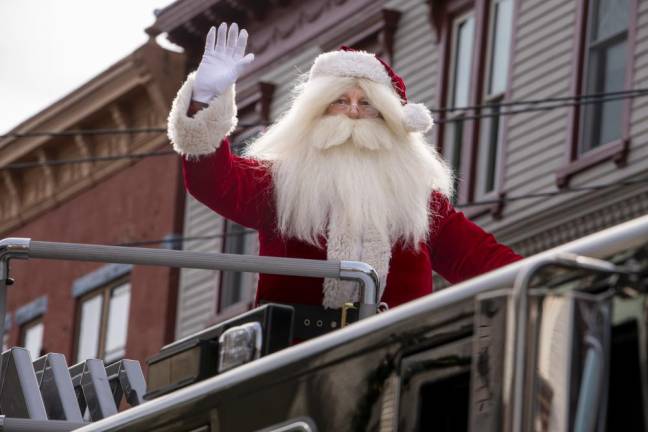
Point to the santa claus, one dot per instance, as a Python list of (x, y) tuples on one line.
[(345, 174)]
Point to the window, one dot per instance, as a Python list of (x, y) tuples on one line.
[(31, 337), (236, 288), (476, 39), (490, 140), (29, 318), (462, 49), (604, 72), (605, 40), (103, 322)]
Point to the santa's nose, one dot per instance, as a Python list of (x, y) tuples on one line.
[(354, 111)]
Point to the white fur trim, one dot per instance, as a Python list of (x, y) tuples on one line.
[(358, 64), (203, 133), (372, 249), (417, 117)]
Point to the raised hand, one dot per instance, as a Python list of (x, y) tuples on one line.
[(222, 62)]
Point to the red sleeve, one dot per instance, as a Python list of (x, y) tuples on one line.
[(459, 248), (237, 188)]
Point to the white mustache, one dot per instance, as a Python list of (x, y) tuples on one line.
[(336, 130)]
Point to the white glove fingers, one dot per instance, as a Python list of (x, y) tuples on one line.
[(232, 38), (241, 44), (211, 38), (222, 36), (249, 58)]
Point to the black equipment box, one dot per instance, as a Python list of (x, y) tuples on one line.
[(195, 357)]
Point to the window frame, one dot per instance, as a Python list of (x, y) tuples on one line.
[(454, 23), (246, 281), (105, 292), (617, 151), (25, 327), (497, 98), (467, 191)]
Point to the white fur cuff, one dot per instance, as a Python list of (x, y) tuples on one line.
[(203, 133), (417, 118)]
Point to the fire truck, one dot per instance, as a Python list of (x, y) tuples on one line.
[(555, 342)]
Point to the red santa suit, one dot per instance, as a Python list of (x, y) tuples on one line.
[(242, 190)]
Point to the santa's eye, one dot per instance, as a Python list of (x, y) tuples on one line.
[(341, 102), (364, 102)]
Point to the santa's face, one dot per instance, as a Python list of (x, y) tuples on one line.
[(354, 104)]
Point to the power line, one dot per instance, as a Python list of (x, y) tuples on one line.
[(630, 93), (553, 193), (579, 100), (536, 109), (55, 162), (93, 132), (75, 132), (458, 206)]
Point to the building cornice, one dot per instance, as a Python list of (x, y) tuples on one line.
[(133, 93)]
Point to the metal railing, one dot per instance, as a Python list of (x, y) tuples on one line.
[(604, 244), (24, 248), (600, 245)]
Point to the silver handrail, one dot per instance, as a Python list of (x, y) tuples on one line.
[(24, 248), (519, 318), (603, 244)]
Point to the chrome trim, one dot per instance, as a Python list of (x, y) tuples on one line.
[(298, 424), (292, 427), (369, 285), (516, 371), (11, 247), (602, 244), (15, 247)]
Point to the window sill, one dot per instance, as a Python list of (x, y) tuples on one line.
[(495, 207), (616, 151)]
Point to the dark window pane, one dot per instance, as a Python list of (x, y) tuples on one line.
[(235, 242), (452, 150), (606, 73), (614, 81), (489, 142), (610, 18), (493, 144)]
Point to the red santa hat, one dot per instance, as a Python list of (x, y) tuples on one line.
[(348, 62)]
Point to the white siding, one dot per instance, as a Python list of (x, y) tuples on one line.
[(198, 288)]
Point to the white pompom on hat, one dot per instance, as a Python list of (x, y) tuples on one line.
[(348, 62)]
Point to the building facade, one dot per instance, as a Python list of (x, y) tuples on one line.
[(538, 106), (71, 174)]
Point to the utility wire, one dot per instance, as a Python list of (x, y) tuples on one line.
[(461, 118), (578, 100), (93, 132), (22, 165), (628, 93), (55, 162), (458, 206)]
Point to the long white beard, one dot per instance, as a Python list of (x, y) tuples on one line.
[(358, 174), (355, 183)]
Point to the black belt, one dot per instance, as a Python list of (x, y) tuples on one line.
[(311, 320)]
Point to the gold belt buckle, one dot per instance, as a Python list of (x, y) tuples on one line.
[(343, 313)]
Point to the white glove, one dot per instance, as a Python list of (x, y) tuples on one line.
[(222, 63)]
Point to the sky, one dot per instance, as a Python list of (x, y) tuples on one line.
[(50, 47)]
